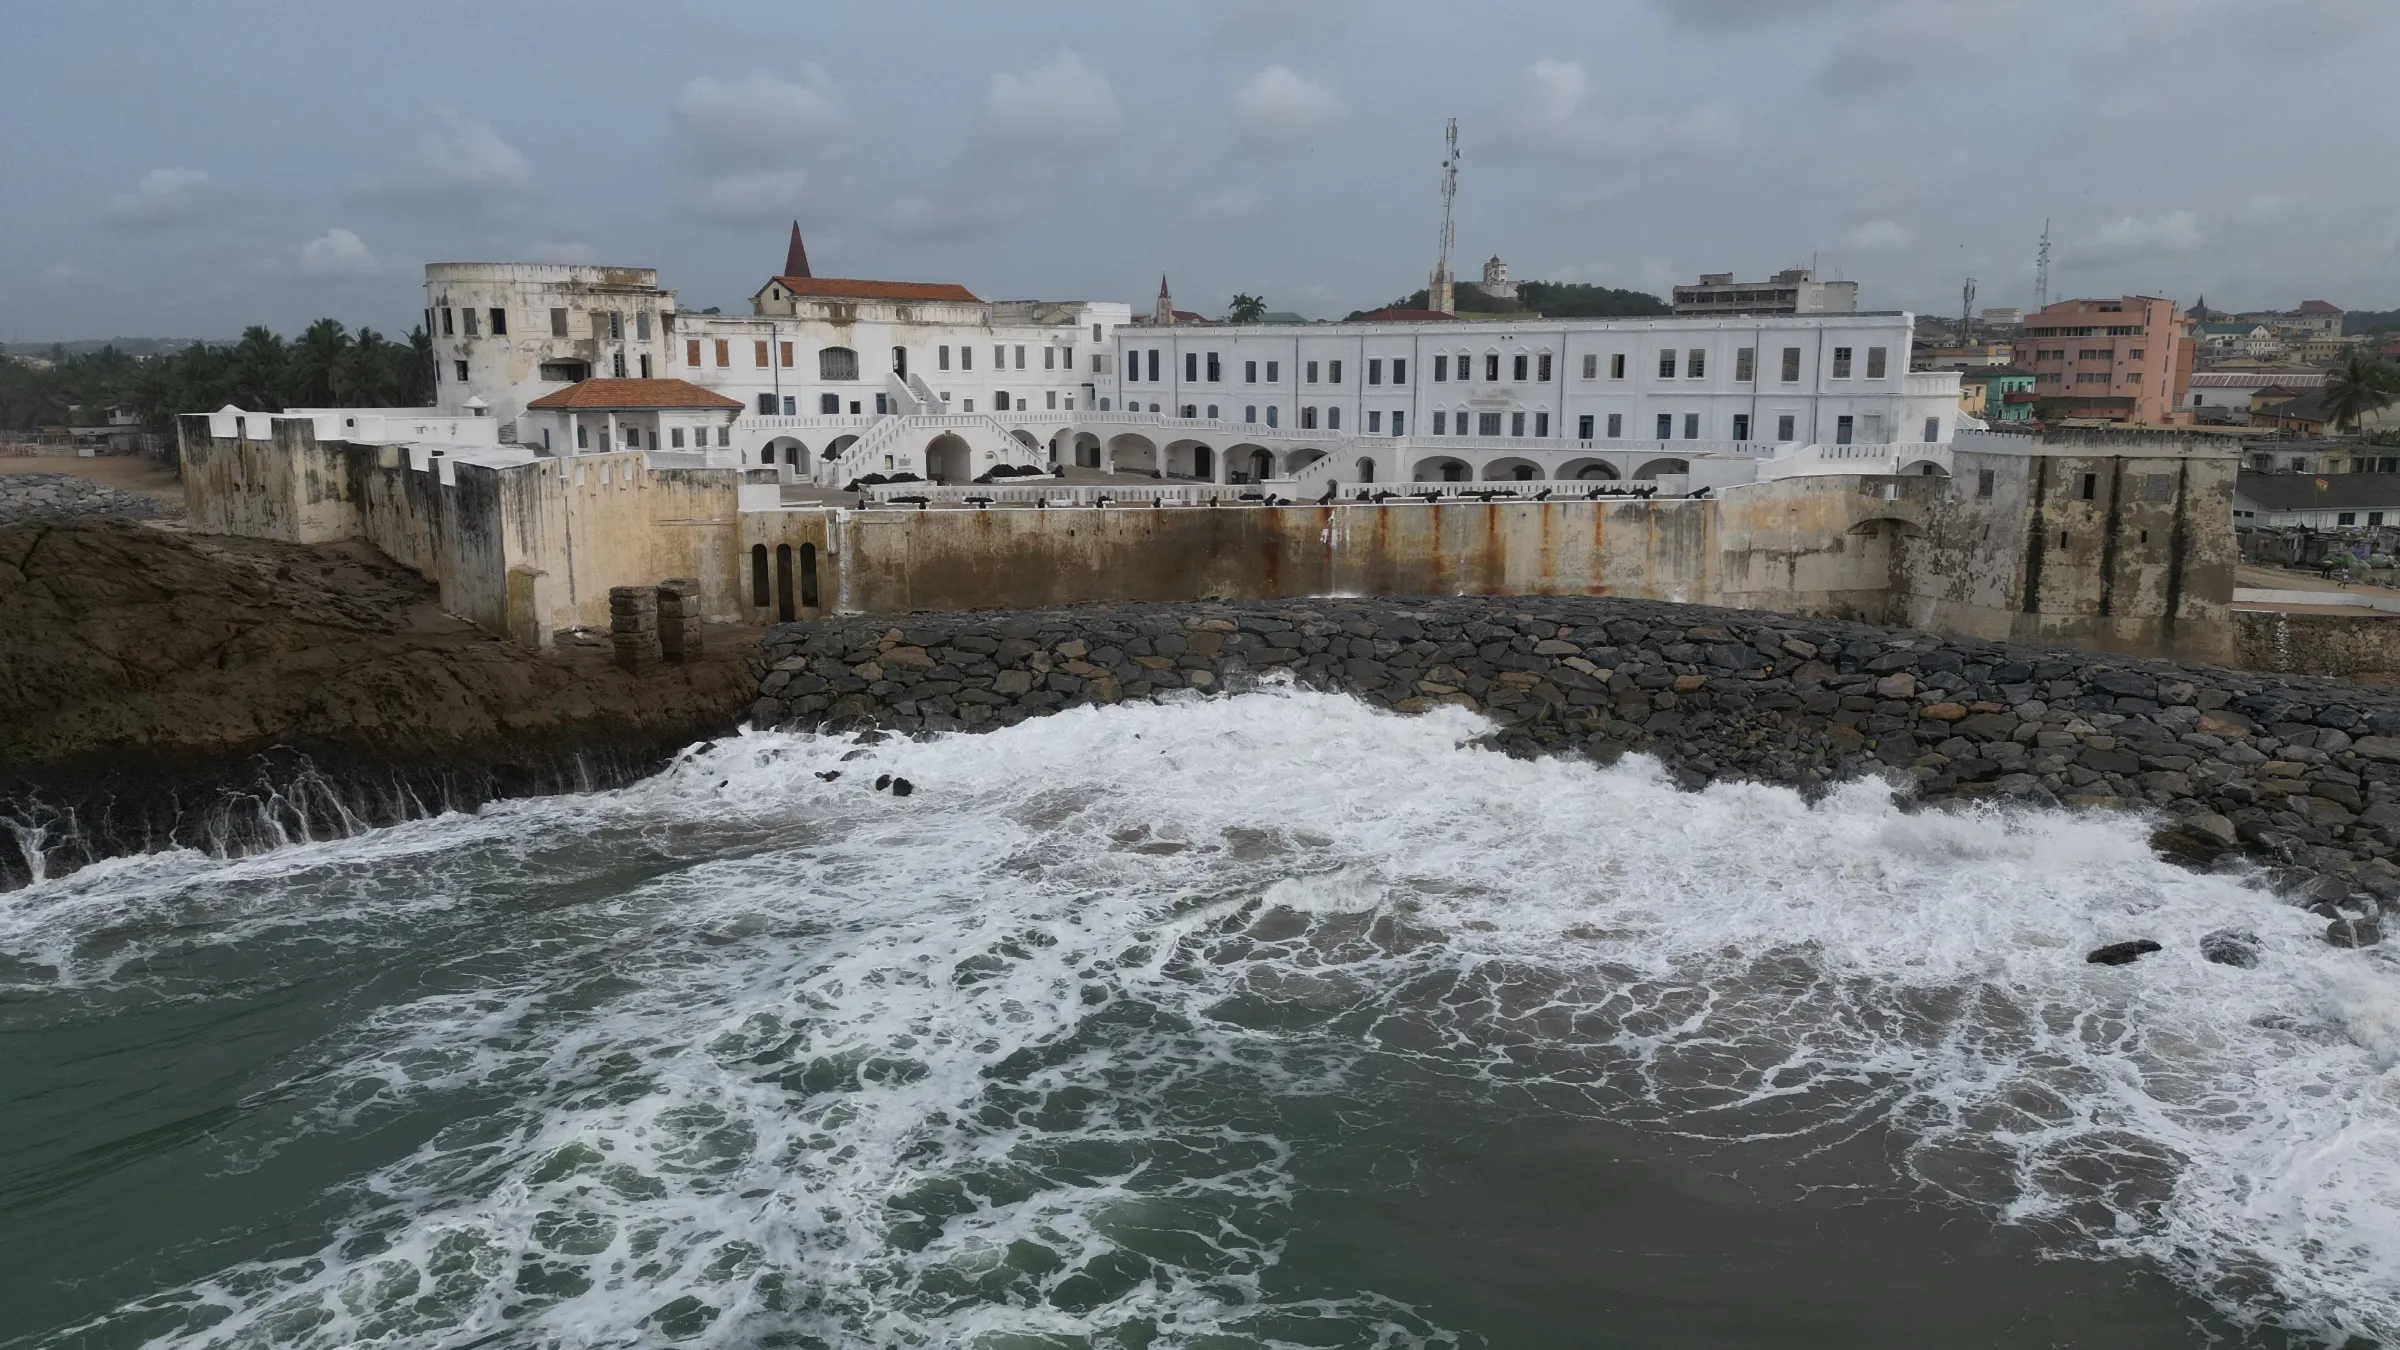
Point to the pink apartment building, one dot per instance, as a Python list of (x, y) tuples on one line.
[(2126, 360)]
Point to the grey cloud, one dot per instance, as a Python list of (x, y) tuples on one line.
[(164, 197), (458, 164), (754, 121), (1556, 115), (1277, 110), (1247, 24), (337, 255)]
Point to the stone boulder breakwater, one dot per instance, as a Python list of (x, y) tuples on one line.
[(2295, 771)]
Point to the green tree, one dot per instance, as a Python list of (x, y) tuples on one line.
[(1246, 309), (315, 357), (2358, 386)]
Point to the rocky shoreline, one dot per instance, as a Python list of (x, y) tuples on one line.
[(2298, 773)]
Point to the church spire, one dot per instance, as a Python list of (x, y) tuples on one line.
[(1163, 313), (795, 259)]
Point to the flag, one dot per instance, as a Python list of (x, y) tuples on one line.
[(2322, 485)]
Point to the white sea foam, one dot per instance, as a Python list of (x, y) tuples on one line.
[(930, 1070)]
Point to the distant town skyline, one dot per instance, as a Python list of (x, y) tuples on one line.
[(274, 162)]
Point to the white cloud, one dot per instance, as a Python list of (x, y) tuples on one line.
[(1880, 236), (2171, 232), (459, 164), (337, 255), (1064, 105), (2260, 207), (562, 251), (1231, 204), (1279, 110), (163, 197), (1556, 116), (754, 121)]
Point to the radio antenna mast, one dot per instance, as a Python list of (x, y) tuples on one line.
[(1438, 294), (1966, 313), (2041, 271)]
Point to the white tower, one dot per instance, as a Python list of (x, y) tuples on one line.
[(1495, 280)]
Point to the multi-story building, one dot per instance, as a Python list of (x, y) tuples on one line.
[(1793, 291), (1996, 393), (2124, 360)]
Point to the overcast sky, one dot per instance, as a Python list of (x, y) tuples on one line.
[(187, 168)]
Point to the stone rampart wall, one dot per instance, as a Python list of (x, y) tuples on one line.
[(2302, 770), (2346, 646)]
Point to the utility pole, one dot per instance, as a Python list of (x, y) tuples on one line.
[(1438, 293), (2041, 271)]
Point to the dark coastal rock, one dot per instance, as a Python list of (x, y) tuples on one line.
[(2231, 947), (2355, 930), (2121, 953)]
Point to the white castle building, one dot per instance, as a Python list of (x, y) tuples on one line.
[(831, 380)]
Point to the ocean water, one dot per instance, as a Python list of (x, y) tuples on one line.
[(1262, 1021)]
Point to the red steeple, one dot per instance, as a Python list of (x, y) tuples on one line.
[(795, 261)]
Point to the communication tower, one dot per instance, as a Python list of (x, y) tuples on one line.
[(1439, 296), (2041, 271)]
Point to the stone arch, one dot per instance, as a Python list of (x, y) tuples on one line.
[(1129, 452), (1511, 469), (1189, 459), (786, 450), (1656, 467), (1086, 448), (1255, 463), (1587, 471), (949, 459), (1364, 471), (1888, 527), (1443, 469), (1927, 468)]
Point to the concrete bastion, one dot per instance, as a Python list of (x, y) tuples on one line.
[(2292, 771)]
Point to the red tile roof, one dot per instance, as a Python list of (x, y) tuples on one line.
[(839, 289), (604, 395), (2318, 307), (1406, 316)]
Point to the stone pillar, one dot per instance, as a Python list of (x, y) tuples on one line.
[(633, 624), (679, 619)]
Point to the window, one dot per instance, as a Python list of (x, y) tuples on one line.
[(1616, 366), (1666, 364), (1250, 413), (1187, 410), (2374, 517), (1583, 428), (469, 316), (1491, 366), (1191, 367), (1308, 418), (1398, 418), (1375, 372), (1399, 373), (2346, 518), (1333, 372), (1441, 421), (1274, 373), (583, 437), (1841, 431), (1542, 368), (1487, 424), (1458, 423), (1784, 427), (616, 325), (766, 405), (758, 354), (1875, 363), (1215, 373), (1095, 332), (2091, 377), (1983, 482), (783, 356), (1250, 372), (999, 357), (462, 371), (1020, 358), (1791, 366), (1441, 369), (1745, 364), (1541, 425), (1154, 365), (791, 404), (1000, 401), (2133, 377), (941, 358), (1049, 395), (675, 438), (1616, 426), (724, 435), (641, 325), (1333, 419), (446, 330), (1516, 424), (966, 357), (2132, 354), (1309, 374), (1666, 426), (1933, 429), (1695, 364), (1271, 414), (691, 352), (1591, 367), (1374, 421), (837, 363), (499, 322), (2089, 488), (617, 365), (724, 353), (645, 365), (1049, 358), (1691, 426), (558, 323), (1741, 426), (1841, 363), (1516, 368)]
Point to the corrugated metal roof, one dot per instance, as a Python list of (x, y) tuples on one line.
[(2299, 491)]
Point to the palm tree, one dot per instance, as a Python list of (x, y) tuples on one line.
[(2359, 386), (1246, 309)]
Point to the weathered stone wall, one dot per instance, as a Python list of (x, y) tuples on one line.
[(2303, 770), (2346, 646)]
